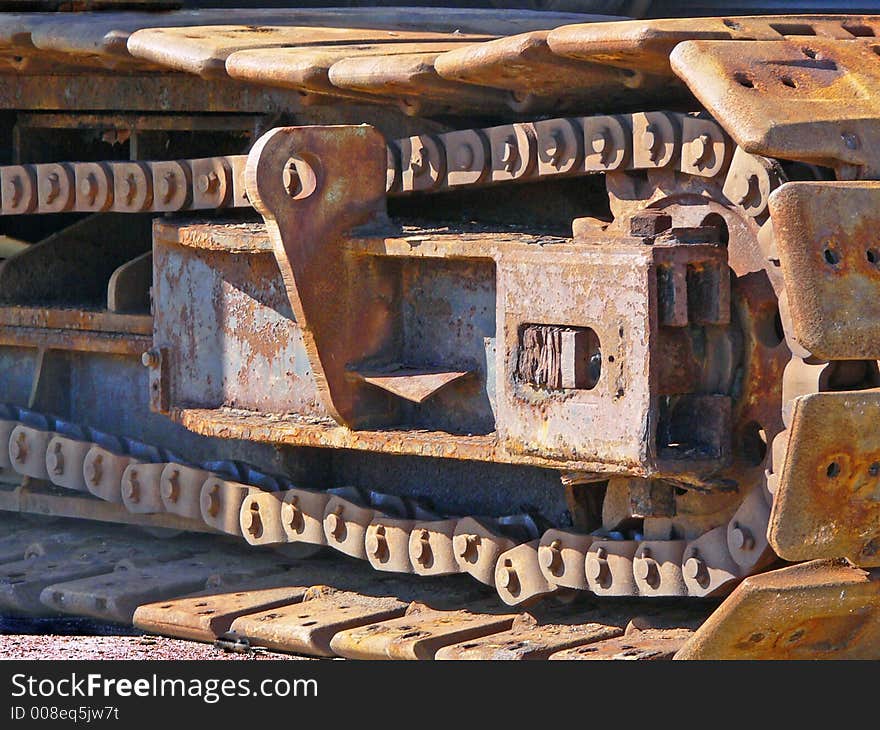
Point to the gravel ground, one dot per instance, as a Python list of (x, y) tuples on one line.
[(29, 638)]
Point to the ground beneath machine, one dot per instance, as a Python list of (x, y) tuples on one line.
[(72, 589)]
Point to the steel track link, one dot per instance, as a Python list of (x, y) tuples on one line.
[(242, 600)]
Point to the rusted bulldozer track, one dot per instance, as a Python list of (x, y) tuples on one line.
[(694, 350), (202, 589)]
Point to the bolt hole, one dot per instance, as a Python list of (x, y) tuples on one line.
[(299, 177), (873, 256), (831, 256), (789, 82), (744, 80), (833, 470), (809, 52), (874, 469)]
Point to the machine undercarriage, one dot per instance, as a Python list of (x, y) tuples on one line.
[(573, 305)]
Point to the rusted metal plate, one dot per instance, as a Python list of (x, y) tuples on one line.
[(107, 33), (767, 93), (635, 645), (827, 503), (817, 610), (412, 76), (40, 501), (19, 542), (645, 45), (413, 384), (525, 65), (359, 325), (203, 50), (114, 596), (529, 639), (209, 614), (824, 234), (308, 69), (417, 635), (22, 582), (308, 627)]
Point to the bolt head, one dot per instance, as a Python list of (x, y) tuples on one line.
[(335, 523), (255, 524), (208, 182), (742, 537), (151, 359), (376, 543), (600, 141), (555, 148), (508, 579), (647, 570), (422, 548)]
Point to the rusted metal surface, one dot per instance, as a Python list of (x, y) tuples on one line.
[(638, 645), (420, 634), (309, 627), (827, 504), (818, 610), (766, 94), (413, 78), (518, 576), (126, 187), (625, 349), (44, 502), (203, 50), (414, 385), (823, 236), (645, 45), (308, 69), (529, 639), (562, 556), (210, 613), (106, 34), (525, 65), (318, 163), (116, 596)]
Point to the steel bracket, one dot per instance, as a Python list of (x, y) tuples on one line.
[(313, 186)]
